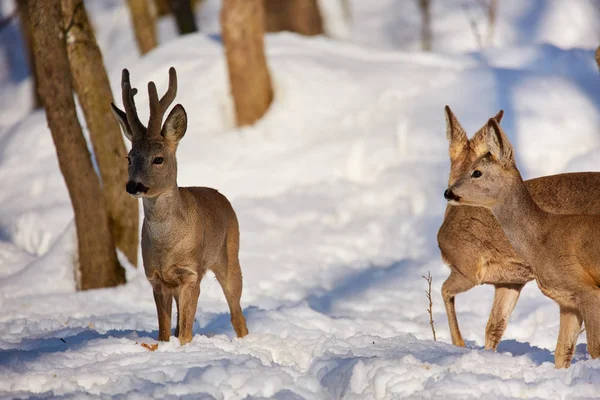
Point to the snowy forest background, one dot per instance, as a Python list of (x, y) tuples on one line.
[(338, 189)]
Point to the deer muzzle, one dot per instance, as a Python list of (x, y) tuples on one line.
[(451, 196), (136, 188)]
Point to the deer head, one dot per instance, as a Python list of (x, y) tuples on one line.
[(463, 152), (489, 178), (152, 162)]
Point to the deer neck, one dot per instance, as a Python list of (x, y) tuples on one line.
[(525, 224), (166, 208)]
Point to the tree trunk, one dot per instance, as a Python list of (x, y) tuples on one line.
[(242, 24), (300, 16), (144, 24), (26, 32), (184, 16), (93, 90), (491, 22), (162, 7), (346, 10), (597, 56), (98, 265), (426, 35)]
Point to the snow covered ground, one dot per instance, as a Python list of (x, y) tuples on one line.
[(339, 194)]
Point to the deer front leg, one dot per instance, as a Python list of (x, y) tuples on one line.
[(454, 285), (164, 302), (505, 299), (570, 326), (186, 296)]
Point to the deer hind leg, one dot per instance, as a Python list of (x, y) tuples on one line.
[(230, 279), (589, 305), (455, 284), (570, 326), (229, 276), (186, 297), (163, 298), (505, 299)]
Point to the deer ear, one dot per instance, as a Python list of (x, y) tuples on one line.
[(456, 135), (498, 117), (498, 144), (175, 125), (479, 139), (122, 118)]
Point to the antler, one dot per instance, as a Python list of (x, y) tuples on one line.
[(158, 108), (135, 125)]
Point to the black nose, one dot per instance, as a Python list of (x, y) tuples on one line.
[(448, 195), (135, 187), (131, 187)]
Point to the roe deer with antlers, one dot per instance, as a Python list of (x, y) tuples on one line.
[(473, 244), (563, 250), (186, 230)]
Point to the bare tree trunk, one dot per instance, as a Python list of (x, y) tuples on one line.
[(491, 22), (93, 90), (26, 32), (196, 4), (473, 23), (300, 16), (162, 7), (97, 260), (184, 16), (426, 35), (242, 24), (144, 24), (347, 10)]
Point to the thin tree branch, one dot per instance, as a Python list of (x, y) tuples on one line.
[(472, 23), (426, 34)]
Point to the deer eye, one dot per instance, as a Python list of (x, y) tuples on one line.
[(476, 174), (158, 160), (128, 160)]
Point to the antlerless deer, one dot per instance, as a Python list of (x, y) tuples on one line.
[(186, 230), (563, 251), (474, 245)]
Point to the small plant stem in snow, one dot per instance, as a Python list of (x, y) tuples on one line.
[(429, 279)]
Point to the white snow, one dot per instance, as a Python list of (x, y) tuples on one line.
[(339, 194)]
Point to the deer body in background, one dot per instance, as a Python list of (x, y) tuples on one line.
[(186, 230), (475, 247), (563, 251)]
